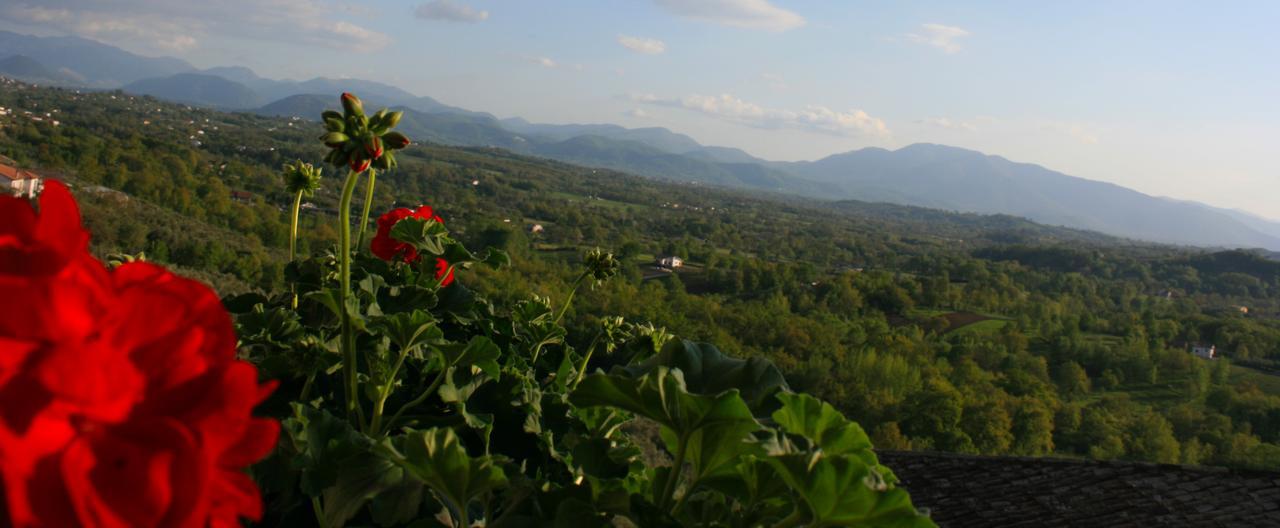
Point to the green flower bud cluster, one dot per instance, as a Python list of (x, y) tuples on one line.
[(359, 141), (301, 177), (602, 264)]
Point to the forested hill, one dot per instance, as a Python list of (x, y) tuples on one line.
[(926, 175), (965, 333)]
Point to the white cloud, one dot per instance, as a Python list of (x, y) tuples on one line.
[(179, 25), (747, 14), (638, 113), (812, 118), (545, 62), (939, 36), (647, 46), (949, 124), (1076, 131), (450, 11)]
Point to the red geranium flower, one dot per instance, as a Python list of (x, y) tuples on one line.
[(121, 400), (389, 249)]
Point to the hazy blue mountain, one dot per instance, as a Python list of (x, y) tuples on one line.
[(97, 64), (925, 175), (659, 138), (27, 69), (723, 155), (964, 180), (198, 89), (1265, 225)]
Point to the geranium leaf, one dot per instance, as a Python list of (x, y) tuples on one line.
[(845, 491), (708, 371), (437, 457), (812, 418)]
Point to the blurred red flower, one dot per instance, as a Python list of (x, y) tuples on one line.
[(121, 400)]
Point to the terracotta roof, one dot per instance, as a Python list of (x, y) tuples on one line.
[(962, 491), (14, 173)]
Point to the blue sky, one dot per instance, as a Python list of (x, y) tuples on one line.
[(1172, 98)]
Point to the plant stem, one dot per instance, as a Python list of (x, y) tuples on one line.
[(670, 488), (794, 519), (351, 387), (375, 423), (293, 241), (315, 507), (368, 201), (431, 389), (569, 300), (582, 371), (293, 227)]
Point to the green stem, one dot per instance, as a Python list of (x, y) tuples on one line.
[(368, 202), (351, 387), (315, 507), (375, 423), (582, 371), (293, 241), (670, 488), (293, 227), (431, 389), (794, 519), (569, 300)]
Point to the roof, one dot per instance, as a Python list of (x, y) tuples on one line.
[(14, 173), (962, 491)]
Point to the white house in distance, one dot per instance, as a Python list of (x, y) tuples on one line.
[(19, 182), (671, 262), (1204, 351)]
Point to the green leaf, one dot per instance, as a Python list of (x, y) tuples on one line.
[(480, 352), (326, 443), (427, 236), (408, 330), (662, 396), (708, 371), (438, 458), (845, 491), (361, 478), (398, 504), (818, 421)]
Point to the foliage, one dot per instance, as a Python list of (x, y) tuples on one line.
[(408, 400), (863, 305)]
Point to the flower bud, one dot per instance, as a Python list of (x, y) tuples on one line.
[(383, 163), (392, 119), (330, 114), (352, 105), (334, 139), (334, 124), (359, 163), (395, 141), (373, 147)]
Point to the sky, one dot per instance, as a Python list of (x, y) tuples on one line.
[(1171, 98)]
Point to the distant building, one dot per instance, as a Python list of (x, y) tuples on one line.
[(1165, 294), (537, 228), (671, 262), (242, 196), (1244, 310), (1204, 351), (19, 182)]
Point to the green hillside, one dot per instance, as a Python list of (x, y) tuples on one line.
[(1083, 351)]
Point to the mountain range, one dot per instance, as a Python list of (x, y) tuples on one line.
[(935, 176)]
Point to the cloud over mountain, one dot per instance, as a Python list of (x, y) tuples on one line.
[(812, 118), (450, 11), (746, 14), (180, 25)]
